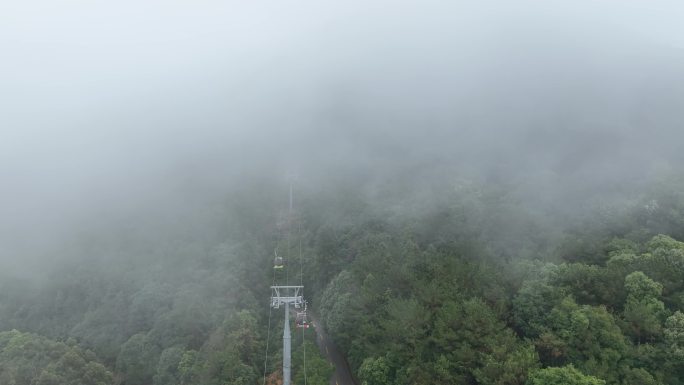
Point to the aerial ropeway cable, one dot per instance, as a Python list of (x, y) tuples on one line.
[(288, 295), (301, 321), (268, 334)]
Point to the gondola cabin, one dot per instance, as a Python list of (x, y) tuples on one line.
[(278, 263), (301, 321)]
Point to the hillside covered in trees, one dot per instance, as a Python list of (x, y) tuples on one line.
[(472, 288)]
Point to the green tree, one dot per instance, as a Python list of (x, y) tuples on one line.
[(29, 359), (138, 359), (167, 368), (643, 310), (535, 300), (375, 371), (674, 334), (588, 337), (479, 346), (566, 375), (187, 367), (318, 369)]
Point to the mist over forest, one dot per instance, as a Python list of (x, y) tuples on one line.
[(485, 176)]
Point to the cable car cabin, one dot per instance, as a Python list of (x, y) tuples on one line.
[(301, 321), (278, 263)]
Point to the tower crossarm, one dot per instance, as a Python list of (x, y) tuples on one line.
[(281, 295)]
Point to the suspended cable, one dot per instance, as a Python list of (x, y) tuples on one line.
[(301, 283), (301, 320), (304, 345), (289, 230), (268, 333), (273, 283), (288, 260), (301, 260)]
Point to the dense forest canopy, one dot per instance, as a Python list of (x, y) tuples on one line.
[(445, 295), (484, 194)]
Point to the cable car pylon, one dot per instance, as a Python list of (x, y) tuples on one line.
[(286, 295)]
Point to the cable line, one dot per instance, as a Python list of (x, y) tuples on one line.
[(301, 283), (268, 334), (288, 295)]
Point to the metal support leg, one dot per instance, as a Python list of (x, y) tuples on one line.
[(287, 339)]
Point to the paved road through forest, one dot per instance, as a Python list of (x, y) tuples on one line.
[(342, 375)]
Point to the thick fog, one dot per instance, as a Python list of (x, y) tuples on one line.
[(110, 110)]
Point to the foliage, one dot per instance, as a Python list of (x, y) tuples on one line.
[(28, 359), (643, 309), (466, 286), (562, 376)]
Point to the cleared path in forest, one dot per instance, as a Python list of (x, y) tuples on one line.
[(343, 374)]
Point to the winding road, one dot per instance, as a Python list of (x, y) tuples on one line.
[(343, 374)]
